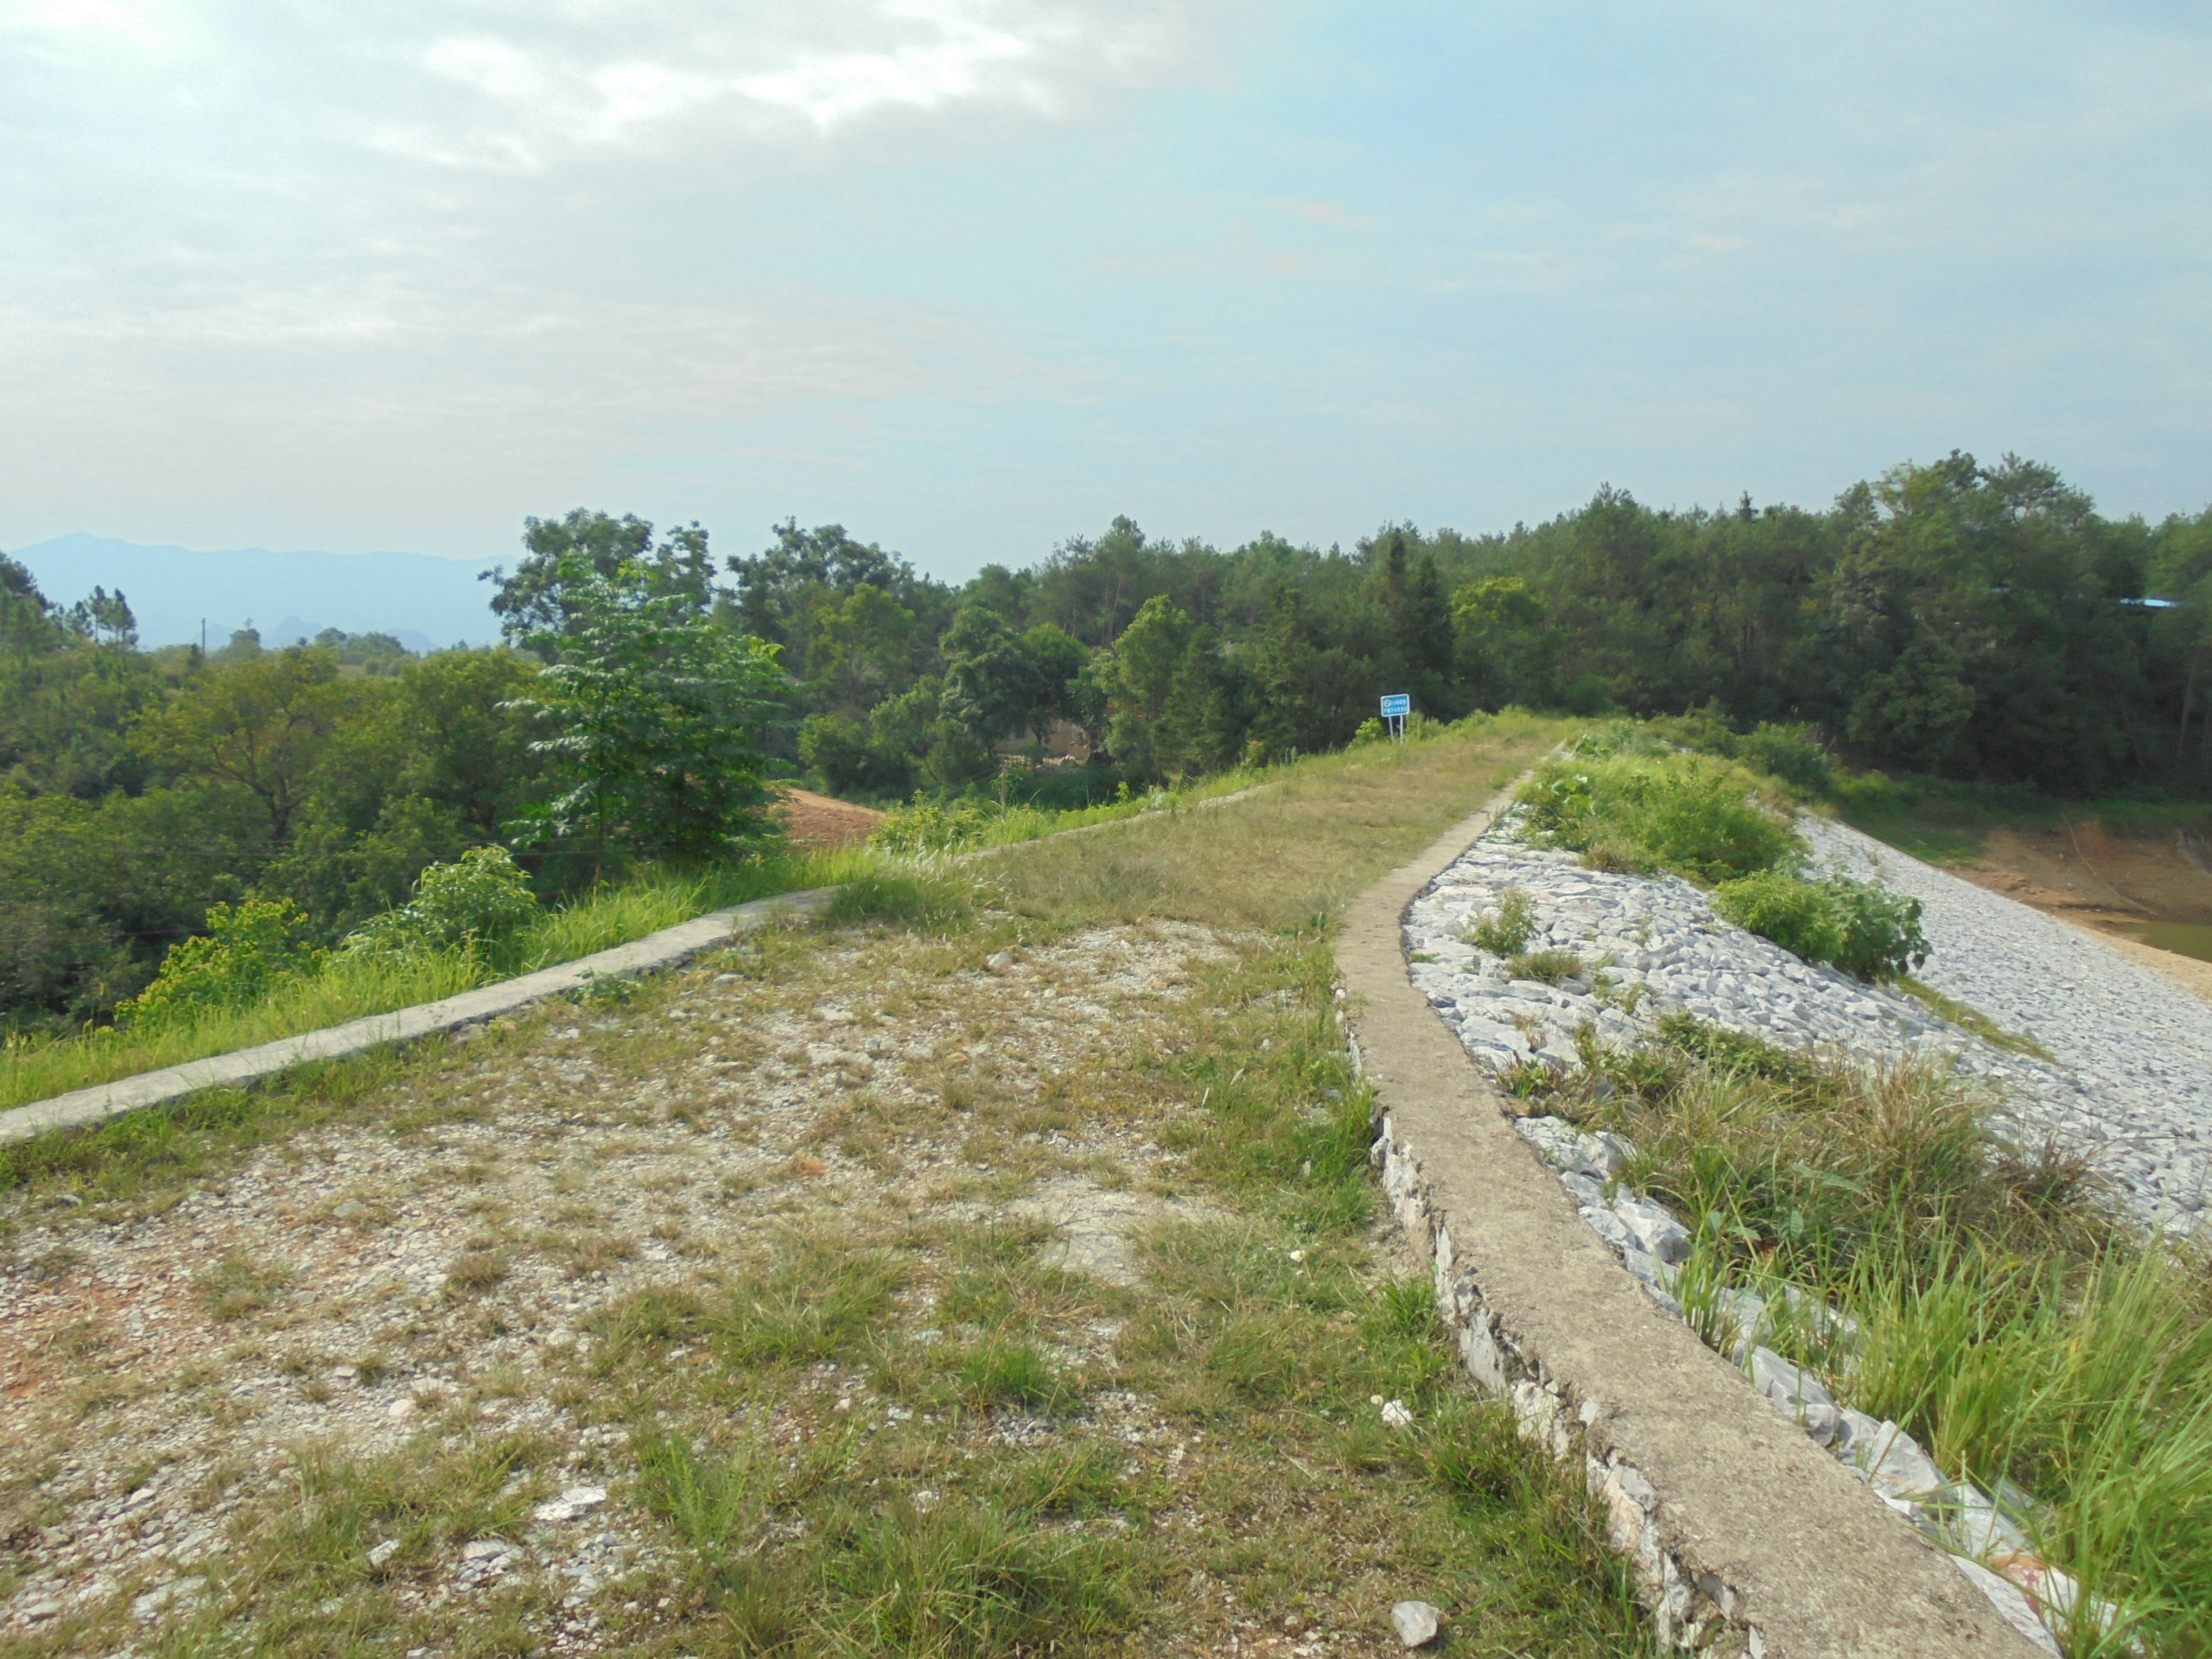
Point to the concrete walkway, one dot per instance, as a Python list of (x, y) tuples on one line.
[(1748, 1537)]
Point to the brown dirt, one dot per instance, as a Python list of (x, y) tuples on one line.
[(2103, 883), (826, 821)]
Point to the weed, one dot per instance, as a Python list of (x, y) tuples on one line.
[(238, 1285), (1968, 1017), (997, 1372), (818, 1303), (1552, 967), (968, 1580), (475, 1271), (1701, 817), (1504, 933)]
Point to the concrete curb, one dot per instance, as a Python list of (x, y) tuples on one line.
[(1747, 1538), (246, 1066), (243, 1067)]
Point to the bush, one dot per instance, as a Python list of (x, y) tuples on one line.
[(1861, 929), (1790, 753), (1881, 936), (1793, 913), (847, 757), (479, 898), (245, 950), (1504, 933), (924, 826), (1701, 817)]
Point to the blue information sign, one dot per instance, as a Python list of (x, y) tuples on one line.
[(1397, 706)]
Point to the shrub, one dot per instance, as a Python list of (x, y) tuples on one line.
[(924, 826), (1881, 936), (1699, 816), (1790, 753), (1861, 929), (479, 898), (245, 950), (1504, 933), (1793, 913), (847, 757)]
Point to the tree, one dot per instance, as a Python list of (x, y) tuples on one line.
[(1508, 648), (1418, 623), (1202, 728), (986, 674), (258, 724), (1134, 679), (537, 602), (1054, 660), (655, 704), (863, 649)]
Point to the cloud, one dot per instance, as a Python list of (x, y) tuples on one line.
[(635, 73)]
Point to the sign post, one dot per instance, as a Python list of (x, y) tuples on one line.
[(1396, 706)]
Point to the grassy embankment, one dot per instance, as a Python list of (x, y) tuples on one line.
[(347, 987), (1036, 1458), (2004, 1310)]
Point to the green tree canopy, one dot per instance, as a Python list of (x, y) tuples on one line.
[(652, 707)]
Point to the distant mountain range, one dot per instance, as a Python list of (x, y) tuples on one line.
[(426, 602)]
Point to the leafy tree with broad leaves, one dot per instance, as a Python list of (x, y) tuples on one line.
[(535, 602), (258, 724), (653, 706)]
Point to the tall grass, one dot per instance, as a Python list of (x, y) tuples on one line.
[(2089, 1385), (1996, 1306), (346, 985)]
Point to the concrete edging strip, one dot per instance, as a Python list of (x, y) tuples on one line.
[(82, 1107), (668, 948), (1748, 1537)]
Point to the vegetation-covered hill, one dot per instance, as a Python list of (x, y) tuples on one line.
[(1982, 623)]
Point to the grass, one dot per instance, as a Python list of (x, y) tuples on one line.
[(1999, 1310), (1504, 933), (1943, 821), (1968, 1017), (1288, 859), (348, 987), (1625, 808), (1550, 967), (879, 1415), (969, 826)]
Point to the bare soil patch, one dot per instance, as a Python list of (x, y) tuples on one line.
[(2104, 884), (703, 1321), (823, 820)]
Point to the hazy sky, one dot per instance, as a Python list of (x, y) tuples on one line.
[(972, 277)]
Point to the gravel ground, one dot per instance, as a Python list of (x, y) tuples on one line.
[(2130, 1075), (2136, 1048), (444, 1282)]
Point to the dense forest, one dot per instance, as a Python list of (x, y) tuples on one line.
[(1980, 622)]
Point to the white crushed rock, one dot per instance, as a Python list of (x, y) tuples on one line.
[(2129, 1082), (2134, 1048), (2132, 1081)]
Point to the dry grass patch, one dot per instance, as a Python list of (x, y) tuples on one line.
[(981, 1310)]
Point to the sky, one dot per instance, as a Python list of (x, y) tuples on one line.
[(972, 276)]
